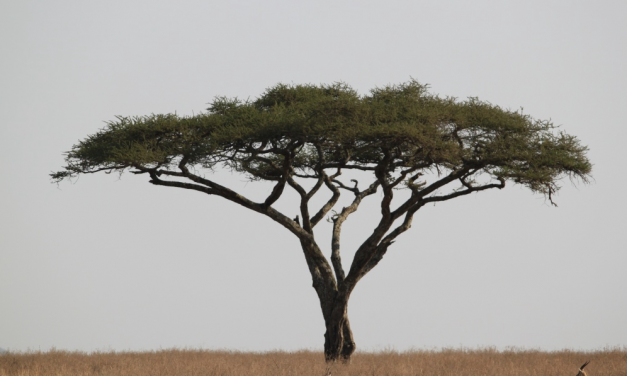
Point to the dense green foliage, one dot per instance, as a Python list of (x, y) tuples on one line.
[(312, 127)]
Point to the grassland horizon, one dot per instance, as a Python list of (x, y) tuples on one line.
[(470, 362)]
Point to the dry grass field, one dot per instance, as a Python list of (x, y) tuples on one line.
[(308, 363)]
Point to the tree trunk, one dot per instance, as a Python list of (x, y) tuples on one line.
[(338, 339), (348, 347)]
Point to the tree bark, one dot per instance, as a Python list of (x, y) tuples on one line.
[(349, 343), (339, 343)]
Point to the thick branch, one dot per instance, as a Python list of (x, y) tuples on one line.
[(369, 248), (327, 180), (382, 247), (387, 241), (212, 188), (381, 172), (276, 192), (321, 271), (209, 188), (336, 259), (304, 203), (417, 194), (464, 192), (454, 175)]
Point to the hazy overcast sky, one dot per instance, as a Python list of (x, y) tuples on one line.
[(118, 264)]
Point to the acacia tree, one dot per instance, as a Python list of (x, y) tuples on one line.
[(304, 136)]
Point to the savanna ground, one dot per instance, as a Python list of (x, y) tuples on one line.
[(610, 362)]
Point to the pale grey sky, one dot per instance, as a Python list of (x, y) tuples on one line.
[(118, 264)]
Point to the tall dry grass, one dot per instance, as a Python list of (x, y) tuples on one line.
[(308, 363)]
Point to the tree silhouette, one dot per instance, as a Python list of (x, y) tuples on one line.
[(305, 136)]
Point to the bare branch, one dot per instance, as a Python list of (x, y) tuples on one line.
[(306, 176), (170, 173), (72, 171), (406, 172), (341, 185), (454, 175), (327, 180), (329, 204), (348, 166), (276, 193), (381, 172), (304, 203), (316, 187), (337, 229), (383, 245), (372, 249), (320, 269), (464, 192), (551, 190), (377, 256)]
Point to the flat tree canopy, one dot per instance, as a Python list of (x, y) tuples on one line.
[(399, 136)]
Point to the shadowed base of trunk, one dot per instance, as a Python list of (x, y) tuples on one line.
[(338, 341)]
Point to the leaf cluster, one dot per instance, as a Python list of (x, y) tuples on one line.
[(301, 130)]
